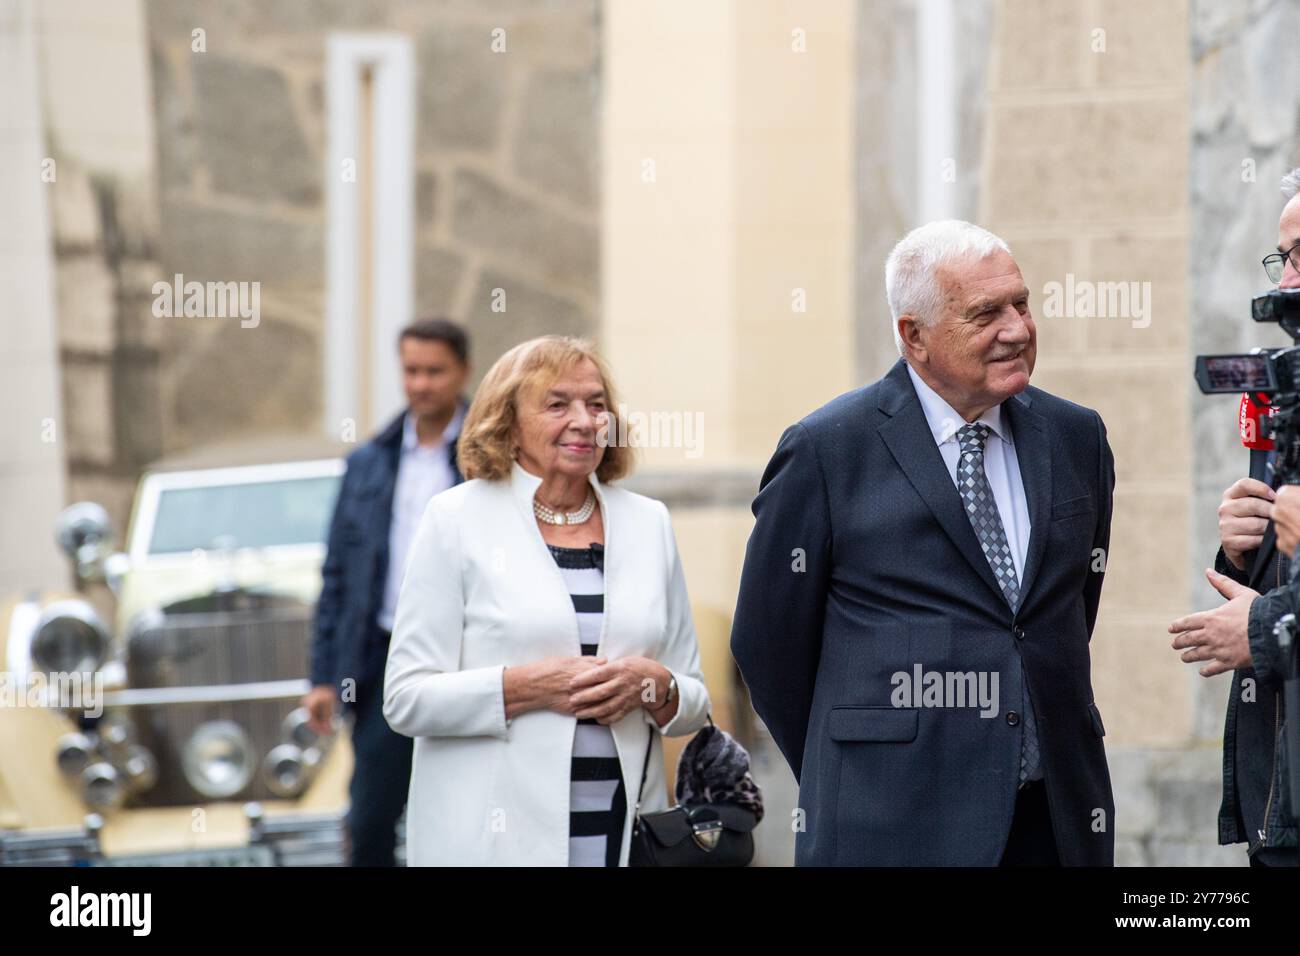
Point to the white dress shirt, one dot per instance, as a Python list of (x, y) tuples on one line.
[(1001, 466), (422, 472)]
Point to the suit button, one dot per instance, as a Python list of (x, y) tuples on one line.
[(1013, 718), (1019, 632)]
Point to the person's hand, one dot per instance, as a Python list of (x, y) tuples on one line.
[(1243, 515), (1219, 636), (612, 691), (544, 684), (319, 702), (1286, 518)]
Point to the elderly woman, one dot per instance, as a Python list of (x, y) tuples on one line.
[(543, 636)]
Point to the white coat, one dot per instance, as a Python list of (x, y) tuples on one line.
[(481, 592)]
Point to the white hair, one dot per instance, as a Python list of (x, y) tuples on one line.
[(910, 283), (1291, 184)]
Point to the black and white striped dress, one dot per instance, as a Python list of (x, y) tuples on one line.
[(597, 800)]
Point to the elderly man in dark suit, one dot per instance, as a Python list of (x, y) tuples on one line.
[(388, 482), (921, 585)]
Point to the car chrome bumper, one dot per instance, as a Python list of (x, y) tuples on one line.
[(290, 839)]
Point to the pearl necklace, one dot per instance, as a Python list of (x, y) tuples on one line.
[(551, 516)]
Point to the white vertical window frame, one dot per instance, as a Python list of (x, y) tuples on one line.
[(33, 472), (936, 102), (370, 87)]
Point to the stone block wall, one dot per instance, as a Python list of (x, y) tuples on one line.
[(886, 166), (1096, 168), (1085, 174), (94, 95), (506, 187)]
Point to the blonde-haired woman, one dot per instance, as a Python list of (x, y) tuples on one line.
[(543, 635)]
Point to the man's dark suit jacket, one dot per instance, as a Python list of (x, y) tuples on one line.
[(893, 576), (356, 563)]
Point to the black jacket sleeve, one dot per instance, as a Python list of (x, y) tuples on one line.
[(1228, 569), (1265, 611)]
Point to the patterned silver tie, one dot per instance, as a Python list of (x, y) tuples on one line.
[(982, 510)]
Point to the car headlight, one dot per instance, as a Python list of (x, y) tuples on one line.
[(296, 729), (75, 752), (284, 771), (85, 533), (116, 735), (69, 638), (101, 786), (140, 769), (217, 760)]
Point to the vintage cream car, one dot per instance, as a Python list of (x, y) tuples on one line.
[(184, 743)]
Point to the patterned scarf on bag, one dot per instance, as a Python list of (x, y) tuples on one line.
[(714, 768)]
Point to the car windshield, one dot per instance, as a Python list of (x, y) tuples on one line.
[(249, 515)]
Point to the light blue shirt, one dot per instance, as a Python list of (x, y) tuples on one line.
[(422, 472), (1001, 466)]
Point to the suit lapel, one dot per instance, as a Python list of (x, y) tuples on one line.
[(1034, 454), (907, 436)]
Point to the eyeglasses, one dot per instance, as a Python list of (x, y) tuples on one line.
[(1275, 264)]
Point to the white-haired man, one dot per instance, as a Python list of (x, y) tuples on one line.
[(921, 585)]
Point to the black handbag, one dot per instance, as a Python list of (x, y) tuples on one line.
[(702, 834)]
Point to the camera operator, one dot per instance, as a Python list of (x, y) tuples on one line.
[(1238, 636)]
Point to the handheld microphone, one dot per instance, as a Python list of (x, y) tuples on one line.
[(1252, 421), (1252, 424)]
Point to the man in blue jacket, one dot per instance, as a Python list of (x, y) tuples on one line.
[(388, 483)]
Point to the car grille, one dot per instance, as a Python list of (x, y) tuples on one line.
[(238, 646)]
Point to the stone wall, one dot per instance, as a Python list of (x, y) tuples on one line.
[(728, 271), (886, 174), (506, 187), (94, 86), (203, 154), (1087, 172)]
